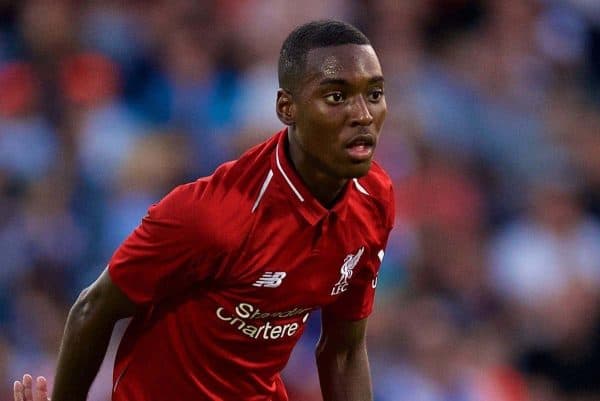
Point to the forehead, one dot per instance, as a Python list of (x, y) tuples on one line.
[(347, 62)]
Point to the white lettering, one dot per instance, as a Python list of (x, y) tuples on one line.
[(276, 332), (268, 330), (237, 319), (250, 331), (222, 317), (258, 332), (244, 310), (338, 289), (266, 333), (256, 314), (248, 311), (292, 329)]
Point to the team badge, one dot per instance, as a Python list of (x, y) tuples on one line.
[(348, 266)]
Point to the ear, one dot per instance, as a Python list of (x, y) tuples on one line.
[(285, 107)]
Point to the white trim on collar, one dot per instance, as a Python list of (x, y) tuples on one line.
[(285, 175), (360, 188)]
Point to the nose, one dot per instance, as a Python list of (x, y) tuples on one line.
[(361, 115)]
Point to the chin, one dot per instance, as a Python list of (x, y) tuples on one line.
[(358, 170)]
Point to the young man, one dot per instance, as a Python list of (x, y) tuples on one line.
[(222, 274)]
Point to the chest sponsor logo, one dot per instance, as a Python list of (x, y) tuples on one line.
[(255, 323), (348, 266), (270, 279)]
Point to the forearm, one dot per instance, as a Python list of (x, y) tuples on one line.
[(82, 350), (344, 376)]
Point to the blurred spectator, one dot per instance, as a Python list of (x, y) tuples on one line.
[(105, 129), (543, 253), (440, 361), (156, 165), (5, 368), (569, 360), (28, 146)]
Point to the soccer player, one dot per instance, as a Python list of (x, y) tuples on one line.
[(221, 275)]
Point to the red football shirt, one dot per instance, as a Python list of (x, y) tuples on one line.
[(227, 270)]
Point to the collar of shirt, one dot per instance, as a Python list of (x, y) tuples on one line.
[(300, 196)]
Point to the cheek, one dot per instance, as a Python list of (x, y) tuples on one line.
[(323, 124), (379, 114), (325, 116)]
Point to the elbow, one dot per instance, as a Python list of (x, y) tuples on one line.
[(85, 307), (319, 355), (342, 354), (322, 349), (327, 351)]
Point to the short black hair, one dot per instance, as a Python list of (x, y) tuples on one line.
[(315, 34)]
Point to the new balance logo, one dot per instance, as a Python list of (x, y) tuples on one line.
[(270, 279)]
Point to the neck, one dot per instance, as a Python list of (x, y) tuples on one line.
[(324, 187)]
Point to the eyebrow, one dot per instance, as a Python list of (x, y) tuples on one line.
[(339, 81)]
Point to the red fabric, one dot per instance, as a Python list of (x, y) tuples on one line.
[(198, 265)]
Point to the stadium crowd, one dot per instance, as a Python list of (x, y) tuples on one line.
[(490, 288)]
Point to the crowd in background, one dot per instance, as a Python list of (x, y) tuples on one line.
[(490, 288)]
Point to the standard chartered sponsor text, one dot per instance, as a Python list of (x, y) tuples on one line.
[(267, 330)]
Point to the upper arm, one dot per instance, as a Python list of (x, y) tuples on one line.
[(341, 335), (105, 300)]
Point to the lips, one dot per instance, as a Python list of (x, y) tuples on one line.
[(360, 147)]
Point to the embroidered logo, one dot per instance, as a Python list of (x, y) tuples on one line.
[(270, 279), (348, 266)]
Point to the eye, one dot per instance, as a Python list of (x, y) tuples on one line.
[(335, 98), (376, 95)]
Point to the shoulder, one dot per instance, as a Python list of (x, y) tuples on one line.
[(233, 185), (217, 208), (237, 183), (377, 185), (232, 181), (246, 170)]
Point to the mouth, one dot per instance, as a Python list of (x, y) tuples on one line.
[(360, 148)]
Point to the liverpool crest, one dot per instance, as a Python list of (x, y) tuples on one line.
[(346, 270)]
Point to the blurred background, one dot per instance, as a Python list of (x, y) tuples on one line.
[(490, 286)]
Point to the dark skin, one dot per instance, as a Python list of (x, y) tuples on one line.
[(334, 122), (340, 99), (85, 340)]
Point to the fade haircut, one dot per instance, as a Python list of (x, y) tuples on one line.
[(316, 34)]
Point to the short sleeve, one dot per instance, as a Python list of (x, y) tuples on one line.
[(167, 253), (357, 302)]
